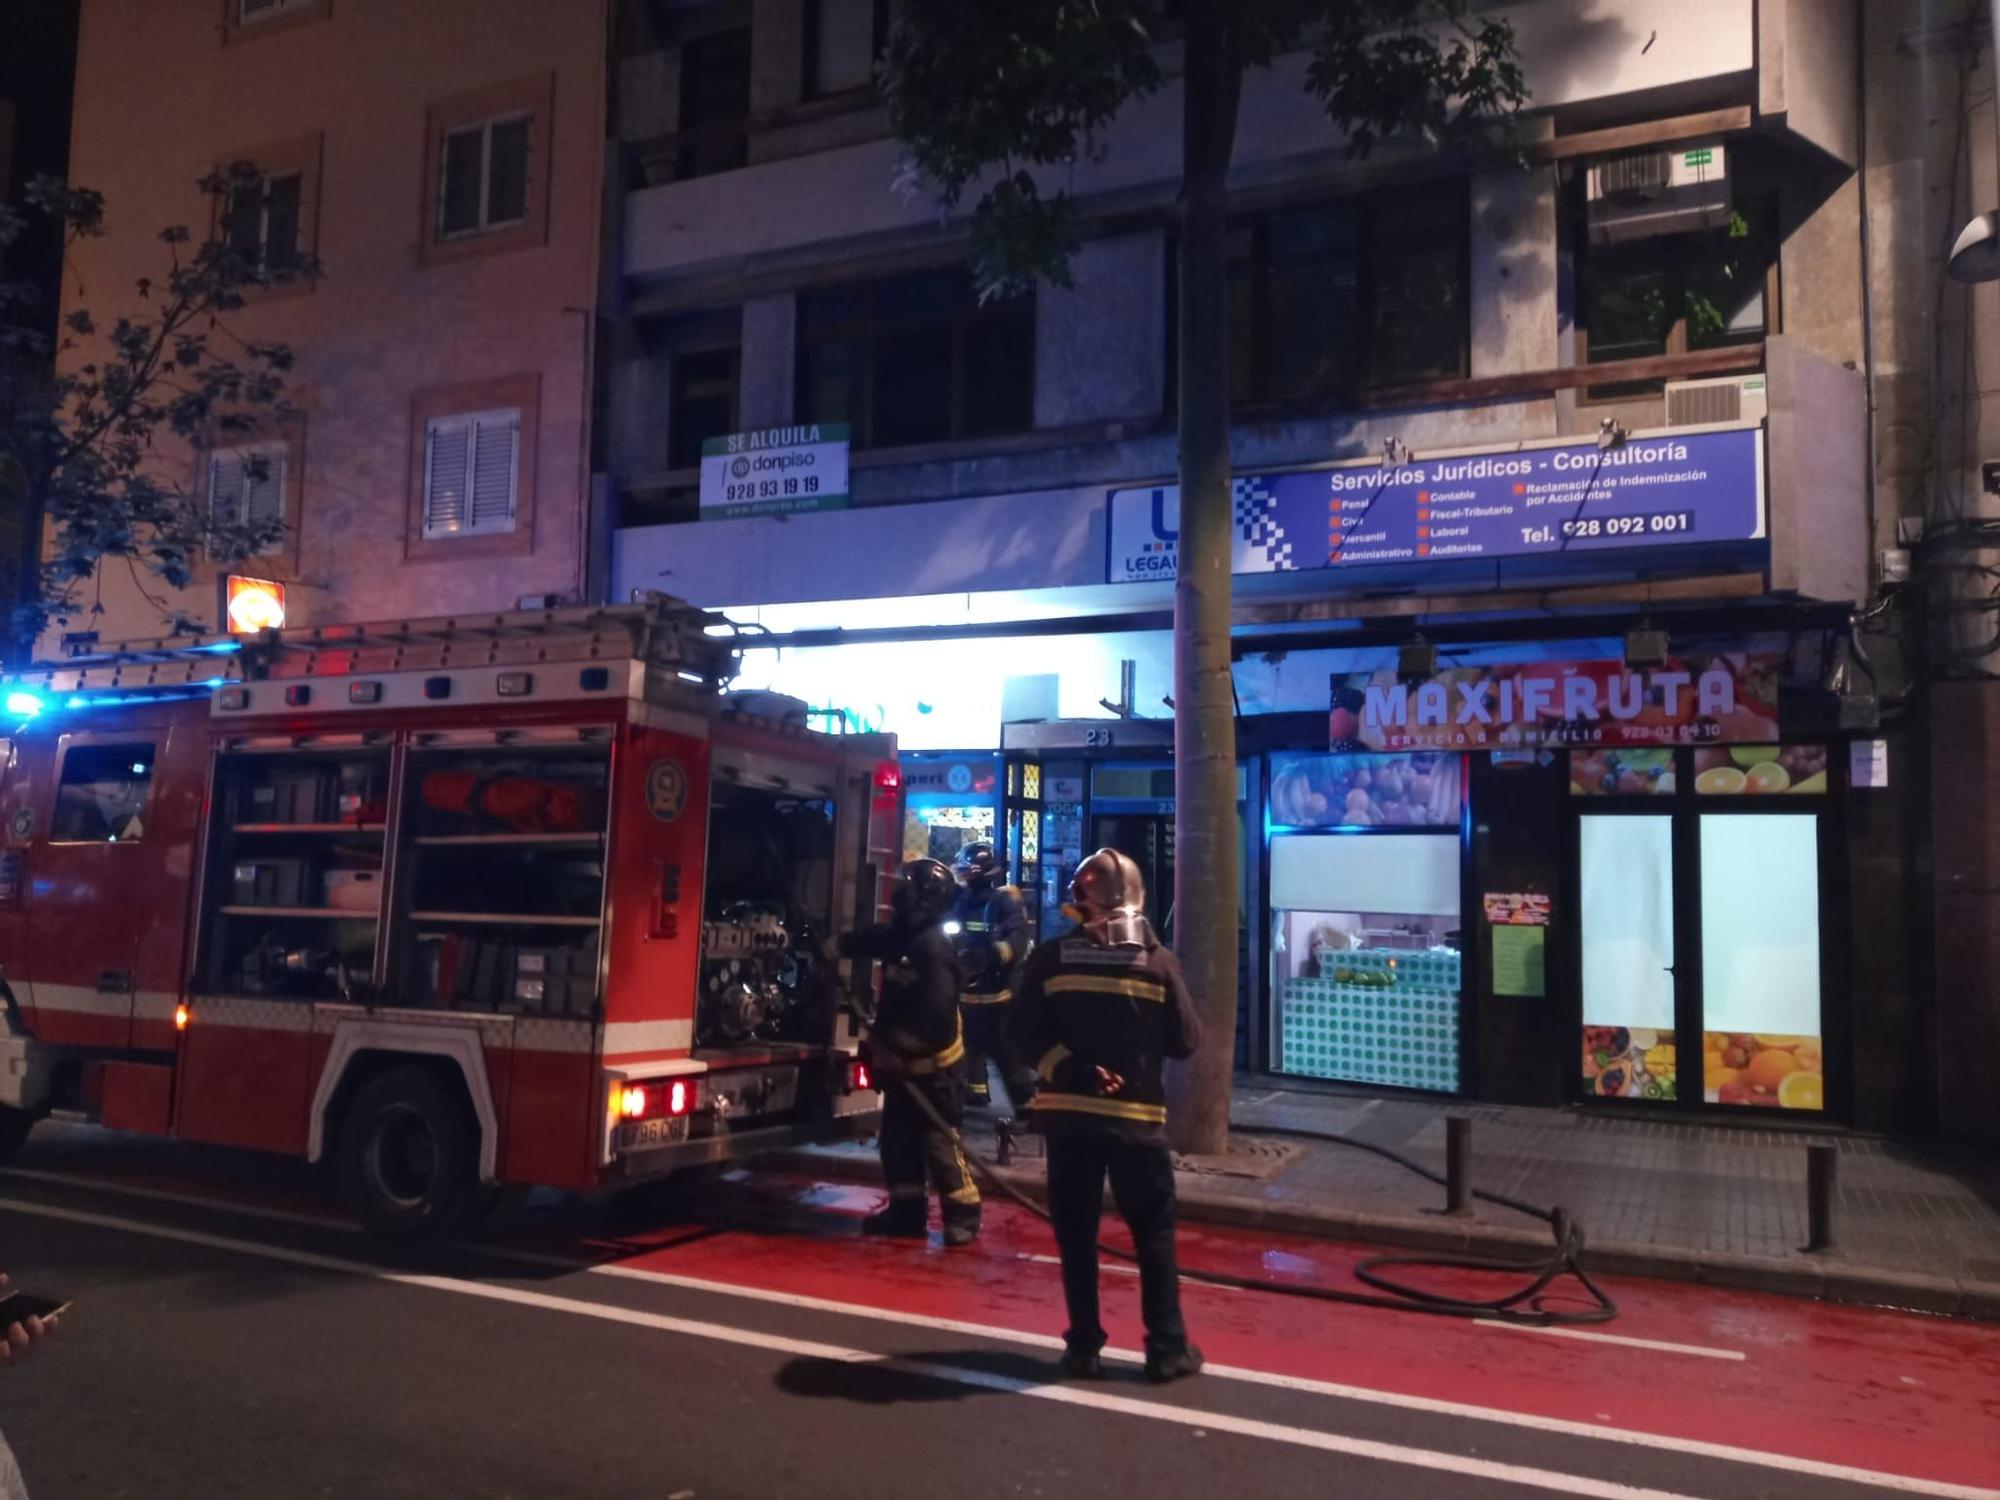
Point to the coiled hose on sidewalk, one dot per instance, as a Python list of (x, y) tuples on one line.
[(1528, 1304)]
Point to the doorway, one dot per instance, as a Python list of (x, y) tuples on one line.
[(1703, 949)]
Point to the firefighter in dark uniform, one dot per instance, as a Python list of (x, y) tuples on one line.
[(917, 1041), (1098, 1011), (992, 939)]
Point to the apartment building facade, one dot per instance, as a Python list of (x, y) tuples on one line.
[(1682, 286), (441, 163)]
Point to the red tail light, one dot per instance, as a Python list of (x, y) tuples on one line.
[(860, 1077), (888, 776), (646, 1101)]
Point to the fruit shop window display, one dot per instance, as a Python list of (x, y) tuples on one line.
[(1419, 789), (1760, 770), (1635, 1062)]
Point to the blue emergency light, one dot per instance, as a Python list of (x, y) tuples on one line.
[(22, 704)]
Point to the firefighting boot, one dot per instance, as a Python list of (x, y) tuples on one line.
[(903, 1219), (961, 1229)]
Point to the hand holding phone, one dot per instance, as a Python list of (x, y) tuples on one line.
[(24, 1318)]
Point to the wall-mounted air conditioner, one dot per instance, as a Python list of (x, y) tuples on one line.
[(1732, 398), (1646, 193)]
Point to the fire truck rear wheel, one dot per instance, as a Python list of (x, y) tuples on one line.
[(14, 1127), (409, 1157)]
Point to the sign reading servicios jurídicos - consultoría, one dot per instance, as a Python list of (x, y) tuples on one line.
[(775, 470)]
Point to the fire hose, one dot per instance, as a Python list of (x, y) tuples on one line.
[(1528, 1304)]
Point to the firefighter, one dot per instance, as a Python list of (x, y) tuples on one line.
[(1099, 1010), (917, 1041), (992, 939)]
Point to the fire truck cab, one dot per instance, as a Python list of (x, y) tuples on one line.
[(453, 903)]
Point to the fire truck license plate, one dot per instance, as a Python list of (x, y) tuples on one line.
[(668, 1130)]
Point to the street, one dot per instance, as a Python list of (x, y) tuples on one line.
[(232, 1336)]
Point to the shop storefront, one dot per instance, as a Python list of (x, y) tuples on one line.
[(949, 800), (1538, 882)]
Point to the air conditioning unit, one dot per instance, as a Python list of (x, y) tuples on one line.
[(1646, 193), (1731, 398)]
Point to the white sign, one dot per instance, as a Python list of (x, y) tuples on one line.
[(1868, 763), (775, 471)]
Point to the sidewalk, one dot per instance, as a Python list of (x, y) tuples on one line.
[(1914, 1226)]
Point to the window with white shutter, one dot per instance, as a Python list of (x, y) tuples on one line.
[(471, 474), (249, 12), (246, 487)]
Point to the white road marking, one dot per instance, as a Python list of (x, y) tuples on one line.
[(1601, 1431), (1591, 1335), (1206, 1421)]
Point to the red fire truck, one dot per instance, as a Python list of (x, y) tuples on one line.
[(455, 903)]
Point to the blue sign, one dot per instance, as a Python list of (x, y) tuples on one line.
[(1569, 498)]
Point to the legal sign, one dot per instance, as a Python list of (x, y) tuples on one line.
[(775, 470), (1546, 501), (1725, 698)]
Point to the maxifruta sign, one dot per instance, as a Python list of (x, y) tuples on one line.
[(775, 470), (1711, 699), (1550, 500)]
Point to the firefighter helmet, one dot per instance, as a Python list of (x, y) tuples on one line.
[(976, 866), (1111, 894), (925, 892)]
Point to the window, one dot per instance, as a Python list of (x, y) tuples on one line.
[(484, 181), (917, 359), (471, 465), (1329, 300), (843, 39), (102, 797), (1680, 293), (701, 402), (715, 104), (487, 170), (261, 220), (250, 12), (246, 489)]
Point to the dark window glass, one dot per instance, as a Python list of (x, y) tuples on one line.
[(243, 221), (458, 198), (916, 359), (715, 104), (102, 799), (281, 222), (1678, 293), (507, 173), (702, 402), (1416, 256), (1329, 300)]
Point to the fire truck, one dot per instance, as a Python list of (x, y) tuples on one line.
[(525, 899)]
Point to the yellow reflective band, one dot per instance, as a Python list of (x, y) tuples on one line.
[(982, 997), (1051, 1060), (954, 1053), (1088, 1104), (1104, 984)]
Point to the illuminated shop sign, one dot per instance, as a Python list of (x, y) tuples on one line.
[(1667, 491), (1729, 698)]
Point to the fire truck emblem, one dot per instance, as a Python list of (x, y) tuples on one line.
[(666, 790)]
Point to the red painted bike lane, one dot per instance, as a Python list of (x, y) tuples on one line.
[(1890, 1392)]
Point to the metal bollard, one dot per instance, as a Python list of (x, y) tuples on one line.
[(1822, 1183), (1457, 1165), (1003, 1130)]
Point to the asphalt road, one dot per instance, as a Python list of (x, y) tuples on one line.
[(231, 1337)]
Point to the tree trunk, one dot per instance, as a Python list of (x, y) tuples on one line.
[(1206, 835)]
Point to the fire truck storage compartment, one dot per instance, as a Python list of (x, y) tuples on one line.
[(767, 905), (501, 880), (296, 868)]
